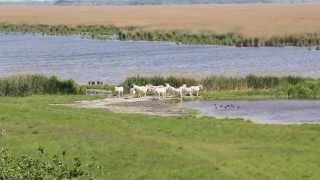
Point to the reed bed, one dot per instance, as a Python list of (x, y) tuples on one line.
[(184, 37), (290, 87), (90, 31), (229, 39)]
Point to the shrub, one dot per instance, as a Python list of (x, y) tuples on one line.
[(300, 91), (23, 85), (42, 166)]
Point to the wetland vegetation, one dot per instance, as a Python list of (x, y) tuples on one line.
[(90, 143), (249, 87), (178, 36), (23, 85), (215, 87)]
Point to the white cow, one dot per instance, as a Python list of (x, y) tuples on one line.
[(152, 88), (186, 90), (132, 91), (140, 90), (196, 89), (161, 91), (158, 90), (174, 90), (119, 90)]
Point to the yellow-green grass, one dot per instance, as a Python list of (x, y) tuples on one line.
[(243, 95), (150, 147)]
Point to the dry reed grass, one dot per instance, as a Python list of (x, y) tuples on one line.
[(250, 20)]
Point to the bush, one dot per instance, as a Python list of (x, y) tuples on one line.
[(41, 167), (299, 92), (23, 85)]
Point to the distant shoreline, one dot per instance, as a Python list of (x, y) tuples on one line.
[(311, 40), (148, 2), (254, 20)]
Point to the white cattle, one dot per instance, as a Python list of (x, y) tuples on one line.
[(158, 90), (186, 90), (161, 91), (132, 91), (119, 90), (173, 90), (152, 88), (140, 90), (196, 89)]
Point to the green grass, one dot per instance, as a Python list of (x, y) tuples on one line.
[(150, 147), (242, 95)]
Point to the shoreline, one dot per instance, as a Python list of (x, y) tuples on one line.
[(152, 106), (138, 33), (214, 87), (265, 19)]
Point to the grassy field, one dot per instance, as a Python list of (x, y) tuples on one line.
[(242, 95), (150, 147), (249, 20)]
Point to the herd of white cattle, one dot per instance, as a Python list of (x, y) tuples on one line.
[(161, 91)]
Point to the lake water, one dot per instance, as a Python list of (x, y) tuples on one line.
[(113, 61), (272, 111)]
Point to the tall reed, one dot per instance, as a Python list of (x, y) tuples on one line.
[(288, 86), (185, 37)]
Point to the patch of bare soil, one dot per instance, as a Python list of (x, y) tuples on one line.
[(144, 105)]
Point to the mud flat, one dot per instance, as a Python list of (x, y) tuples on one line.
[(263, 111), (145, 105)]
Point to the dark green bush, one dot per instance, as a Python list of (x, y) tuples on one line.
[(305, 90), (299, 92), (23, 85)]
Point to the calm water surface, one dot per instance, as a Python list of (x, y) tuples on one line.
[(272, 111), (112, 61)]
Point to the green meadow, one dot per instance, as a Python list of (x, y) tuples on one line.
[(127, 146)]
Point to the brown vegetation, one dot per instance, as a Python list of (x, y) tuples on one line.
[(250, 20)]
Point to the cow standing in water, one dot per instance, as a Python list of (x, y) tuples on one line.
[(119, 91)]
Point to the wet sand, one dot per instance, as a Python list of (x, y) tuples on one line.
[(262, 112), (146, 105)]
